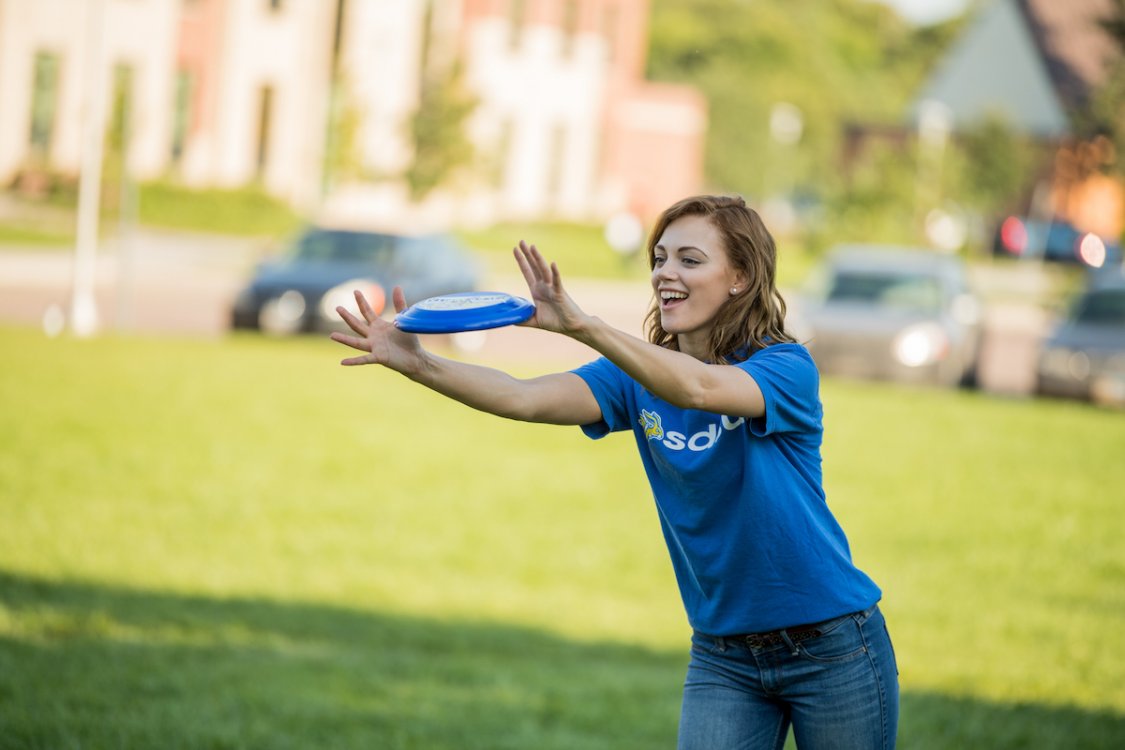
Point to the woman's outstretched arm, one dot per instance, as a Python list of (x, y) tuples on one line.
[(558, 398), (677, 378)]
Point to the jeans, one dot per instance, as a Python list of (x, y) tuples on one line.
[(839, 690)]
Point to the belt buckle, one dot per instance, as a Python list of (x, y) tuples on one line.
[(761, 640)]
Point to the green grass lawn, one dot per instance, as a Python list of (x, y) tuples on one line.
[(240, 544)]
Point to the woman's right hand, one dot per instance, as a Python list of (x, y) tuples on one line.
[(384, 343)]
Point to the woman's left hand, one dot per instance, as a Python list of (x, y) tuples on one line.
[(554, 309)]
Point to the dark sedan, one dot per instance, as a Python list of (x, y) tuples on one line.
[(299, 291), (1084, 357)]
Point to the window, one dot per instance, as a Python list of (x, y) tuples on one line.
[(611, 21), (44, 103), (896, 291), (557, 159), (181, 115), (121, 107), (517, 12), (569, 25), (1103, 308), (499, 157)]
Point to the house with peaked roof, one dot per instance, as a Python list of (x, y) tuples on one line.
[(1035, 65)]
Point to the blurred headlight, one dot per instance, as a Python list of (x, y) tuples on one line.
[(921, 344), (282, 315), (1078, 365), (1091, 250), (1054, 362), (343, 295)]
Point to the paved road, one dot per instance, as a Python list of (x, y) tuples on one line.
[(182, 284)]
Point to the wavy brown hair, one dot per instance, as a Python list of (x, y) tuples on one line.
[(750, 320)]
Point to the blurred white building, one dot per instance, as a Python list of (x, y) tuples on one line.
[(227, 93)]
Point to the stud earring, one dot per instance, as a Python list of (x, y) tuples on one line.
[(733, 291)]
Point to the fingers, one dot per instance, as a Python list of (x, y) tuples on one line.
[(353, 322), (534, 266), (538, 263), (365, 308), (556, 279), (355, 342), (398, 297), (525, 266), (352, 361)]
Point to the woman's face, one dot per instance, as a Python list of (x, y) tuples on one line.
[(692, 277)]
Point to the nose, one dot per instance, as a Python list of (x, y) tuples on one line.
[(663, 273)]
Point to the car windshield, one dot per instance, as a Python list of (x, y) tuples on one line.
[(343, 247), (1105, 308), (914, 292)]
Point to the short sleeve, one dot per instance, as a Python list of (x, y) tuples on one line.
[(790, 384), (611, 387)]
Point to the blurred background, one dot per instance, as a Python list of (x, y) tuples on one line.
[(191, 490)]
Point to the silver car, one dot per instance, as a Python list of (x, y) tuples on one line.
[(892, 313), (1084, 357)]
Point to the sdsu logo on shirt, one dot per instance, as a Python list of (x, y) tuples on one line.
[(677, 441)]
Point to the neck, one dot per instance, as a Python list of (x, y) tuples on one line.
[(693, 345)]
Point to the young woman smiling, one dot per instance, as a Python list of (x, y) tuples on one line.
[(725, 409)]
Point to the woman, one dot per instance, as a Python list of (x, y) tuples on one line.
[(725, 409)]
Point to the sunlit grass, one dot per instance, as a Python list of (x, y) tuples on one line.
[(241, 544)]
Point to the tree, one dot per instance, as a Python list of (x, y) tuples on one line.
[(441, 146), (1106, 115)]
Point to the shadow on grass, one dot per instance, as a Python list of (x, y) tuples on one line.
[(87, 665)]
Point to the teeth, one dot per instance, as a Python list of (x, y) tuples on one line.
[(672, 295)]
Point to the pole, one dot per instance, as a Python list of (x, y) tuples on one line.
[(83, 306)]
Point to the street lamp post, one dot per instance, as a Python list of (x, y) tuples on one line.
[(83, 306)]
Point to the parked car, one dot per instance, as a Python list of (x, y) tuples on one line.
[(1084, 358), (318, 270), (902, 314), (1054, 241)]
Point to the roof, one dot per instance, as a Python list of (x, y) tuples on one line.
[(1033, 62), (1075, 47)]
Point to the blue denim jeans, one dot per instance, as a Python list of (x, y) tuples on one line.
[(838, 690)]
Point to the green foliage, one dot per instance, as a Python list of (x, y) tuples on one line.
[(838, 61), (1105, 115), (579, 249), (998, 166), (25, 235), (240, 211), (441, 145), (343, 160), (877, 203), (241, 544)]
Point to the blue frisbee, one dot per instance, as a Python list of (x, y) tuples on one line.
[(464, 311)]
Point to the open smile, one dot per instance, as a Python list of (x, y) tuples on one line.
[(670, 298)]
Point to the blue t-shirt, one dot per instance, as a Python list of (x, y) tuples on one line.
[(741, 503)]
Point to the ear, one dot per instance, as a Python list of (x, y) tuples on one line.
[(739, 280)]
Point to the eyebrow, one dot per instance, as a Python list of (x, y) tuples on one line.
[(682, 248)]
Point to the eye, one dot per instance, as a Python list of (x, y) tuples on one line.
[(689, 261), (658, 261)]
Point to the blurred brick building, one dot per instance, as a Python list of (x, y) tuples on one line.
[(225, 93)]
